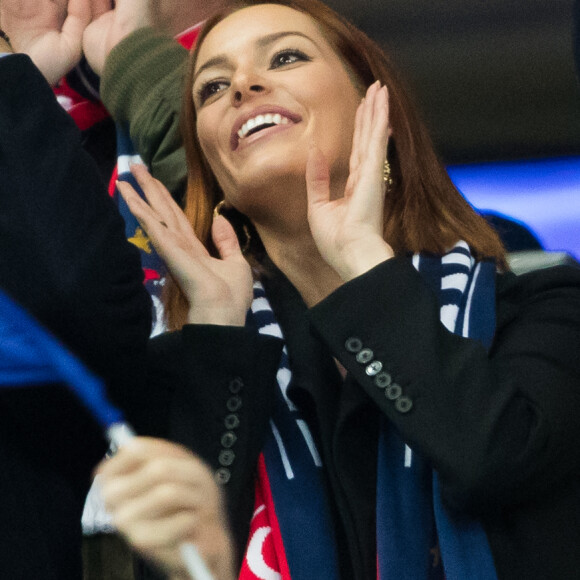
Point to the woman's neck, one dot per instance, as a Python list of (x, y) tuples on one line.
[(299, 260)]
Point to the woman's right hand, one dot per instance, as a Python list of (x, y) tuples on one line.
[(219, 290), (160, 497)]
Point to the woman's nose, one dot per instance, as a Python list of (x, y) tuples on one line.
[(245, 88)]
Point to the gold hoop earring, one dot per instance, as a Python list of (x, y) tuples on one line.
[(246, 246), (387, 174), (217, 210)]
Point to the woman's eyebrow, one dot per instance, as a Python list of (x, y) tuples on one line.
[(271, 38), (262, 42)]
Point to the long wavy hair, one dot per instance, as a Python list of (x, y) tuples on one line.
[(424, 212)]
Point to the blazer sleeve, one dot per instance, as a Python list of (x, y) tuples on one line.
[(63, 257), (212, 389), (499, 427)]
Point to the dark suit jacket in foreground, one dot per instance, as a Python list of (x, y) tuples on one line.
[(64, 257), (501, 429)]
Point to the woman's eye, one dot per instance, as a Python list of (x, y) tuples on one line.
[(210, 89), (286, 57)]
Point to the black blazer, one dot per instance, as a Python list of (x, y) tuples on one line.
[(64, 257), (502, 428)]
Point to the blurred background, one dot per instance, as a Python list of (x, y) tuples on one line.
[(497, 84)]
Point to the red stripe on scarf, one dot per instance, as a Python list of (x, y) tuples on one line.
[(265, 557), (85, 113)]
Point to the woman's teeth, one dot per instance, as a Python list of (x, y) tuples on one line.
[(260, 122)]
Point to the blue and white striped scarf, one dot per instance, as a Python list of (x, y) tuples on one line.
[(406, 538)]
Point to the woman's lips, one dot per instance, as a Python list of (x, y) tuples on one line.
[(271, 118)]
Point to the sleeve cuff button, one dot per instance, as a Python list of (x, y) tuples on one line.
[(364, 356), (234, 403), (223, 475), (353, 344), (236, 385), (393, 392), (232, 421), (403, 404), (374, 368), (383, 380), (226, 457)]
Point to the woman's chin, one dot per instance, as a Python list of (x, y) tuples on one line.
[(272, 171)]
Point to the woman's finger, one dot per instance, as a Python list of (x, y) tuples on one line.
[(169, 239), (99, 7), (365, 188), (355, 154), (157, 196), (162, 202), (377, 145), (148, 219), (225, 239), (367, 118)]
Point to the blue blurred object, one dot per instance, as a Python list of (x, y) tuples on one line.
[(30, 356), (515, 235), (543, 194)]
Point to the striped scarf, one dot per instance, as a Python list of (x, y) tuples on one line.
[(291, 533)]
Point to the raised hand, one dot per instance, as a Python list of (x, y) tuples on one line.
[(110, 27), (219, 291), (161, 496), (49, 31), (348, 231)]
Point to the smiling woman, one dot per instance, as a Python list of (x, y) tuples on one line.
[(416, 422), (292, 72)]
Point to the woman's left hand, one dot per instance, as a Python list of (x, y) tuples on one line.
[(348, 231)]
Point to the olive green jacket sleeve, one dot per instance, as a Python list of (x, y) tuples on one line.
[(141, 87)]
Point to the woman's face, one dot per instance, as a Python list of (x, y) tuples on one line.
[(267, 84)]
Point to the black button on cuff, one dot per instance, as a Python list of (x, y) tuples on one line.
[(364, 356), (234, 403), (403, 404), (393, 392), (223, 475), (228, 439), (383, 380), (232, 421), (236, 385), (353, 344), (226, 457)]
